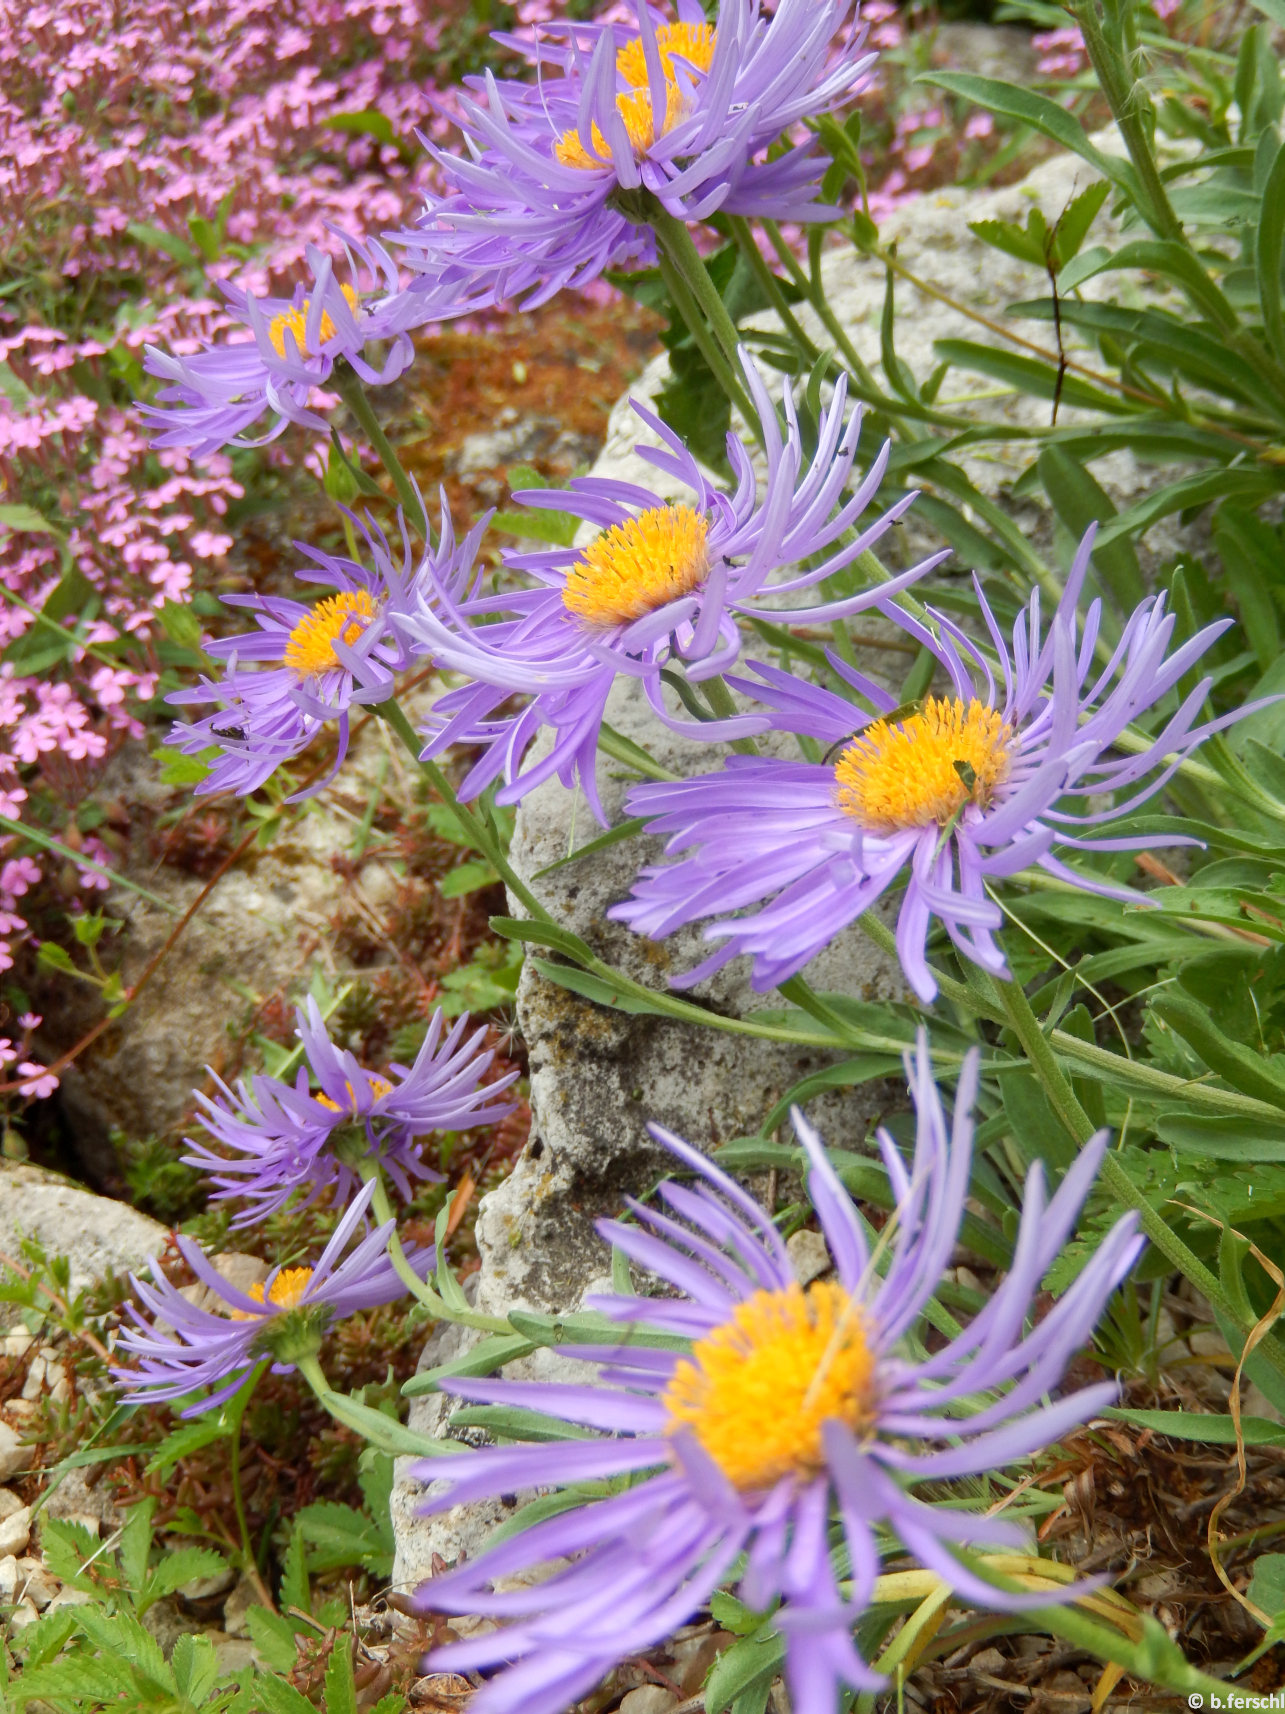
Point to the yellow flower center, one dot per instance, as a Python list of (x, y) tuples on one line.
[(756, 1391), (693, 43), (285, 1292), (926, 767), (295, 321), (635, 109), (310, 648), (379, 1087), (635, 567)]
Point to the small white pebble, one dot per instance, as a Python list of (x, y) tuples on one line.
[(34, 1384), (24, 1614), (15, 1531)]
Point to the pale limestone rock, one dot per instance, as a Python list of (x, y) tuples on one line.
[(24, 1614), (38, 1585), (648, 1699), (15, 1532), (809, 1256), (14, 1453), (9, 1503), (101, 1238), (266, 922)]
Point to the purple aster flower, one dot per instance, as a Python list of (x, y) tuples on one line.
[(277, 1138), (217, 394), (184, 1347), (787, 1406), (685, 111), (961, 792), (662, 585), (342, 651)]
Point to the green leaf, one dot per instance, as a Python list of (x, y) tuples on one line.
[(1189, 493), (1221, 1138), (136, 1542), (155, 238), (384, 1431), (512, 1422), (274, 1637), (1079, 501), (1267, 1583), (484, 1358), (1273, 9), (51, 956), (195, 1667), (183, 1565), (1028, 375), (732, 1615), (278, 1697), (179, 769), (754, 1660), (1250, 551), (191, 1437), (340, 1535), (1207, 1430), (15, 516), (1014, 240), (1251, 1073), (366, 123), (1037, 1132), (341, 1692), (536, 525), (295, 1589), (1044, 114), (1165, 257), (466, 878), (66, 1546), (1072, 225), (1268, 247)]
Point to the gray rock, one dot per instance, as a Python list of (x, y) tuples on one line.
[(15, 1532), (266, 923), (100, 1238), (14, 1455)]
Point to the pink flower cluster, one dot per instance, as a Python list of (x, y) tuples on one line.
[(150, 149)]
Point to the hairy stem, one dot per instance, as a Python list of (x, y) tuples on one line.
[(419, 1288), (771, 285), (721, 701), (472, 825), (234, 1414), (353, 394)]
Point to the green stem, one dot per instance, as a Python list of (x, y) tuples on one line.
[(710, 349), (870, 388), (234, 1413), (419, 1288), (723, 704), (353, 394), (801, 994), (771, 285), (676, 244), (622, 749), (473, 827), (1128, 101), (1057, 1087), (1097, 1062)]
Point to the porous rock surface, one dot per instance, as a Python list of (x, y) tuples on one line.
[(268, 919), (100, 1238), (598, 1075)]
